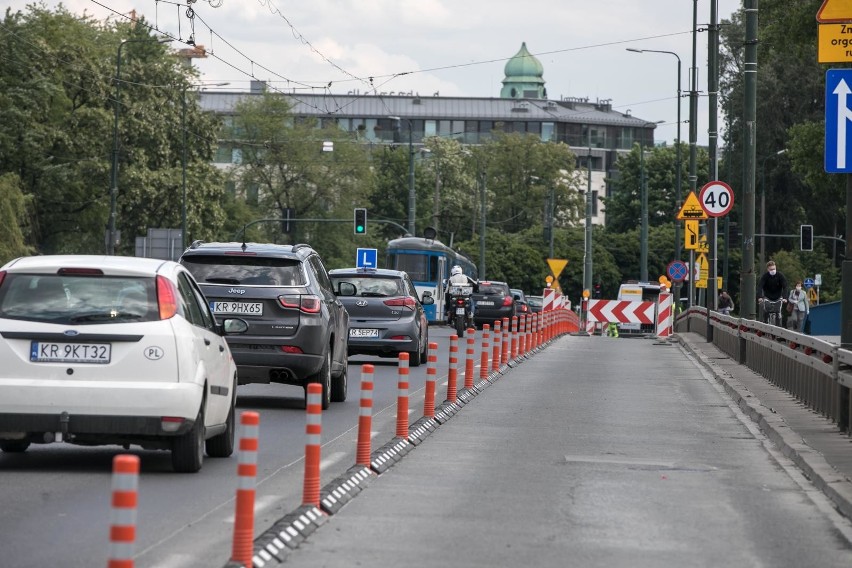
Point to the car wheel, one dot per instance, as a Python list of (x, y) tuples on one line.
[(188, 449), (340, 384), (222, 445), (424, 355), (414, 358), (14, 446), (323, 378)]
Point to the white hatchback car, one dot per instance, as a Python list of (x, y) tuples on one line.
[(102, 350)]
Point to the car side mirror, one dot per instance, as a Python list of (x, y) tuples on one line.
[(517, 298), (234, 326), (428, 300), (346, 289)]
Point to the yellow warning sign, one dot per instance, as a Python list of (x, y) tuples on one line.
[(833, 42), (703, 246), (834, 12), (691, 209), (557, 265), (690, 234)]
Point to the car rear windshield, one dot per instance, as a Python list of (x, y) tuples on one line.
[(245, 270), (492, 289), (375, 286), (78, 299)]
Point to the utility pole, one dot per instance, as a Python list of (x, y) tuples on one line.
[(693, 133), (713, 134), (748, 307), (587, 256)]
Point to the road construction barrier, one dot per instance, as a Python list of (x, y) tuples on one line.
[(495, 353), (468, 362), (402, 398), (431, 375), (664, 315), (313, 445), (122, 530), (514, 347), (241, 550), (365, 416), (484, 352), (453, 371), (504, 355)]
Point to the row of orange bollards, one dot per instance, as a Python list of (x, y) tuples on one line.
[(512, 340)]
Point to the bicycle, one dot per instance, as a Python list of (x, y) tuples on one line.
[(772, 311)]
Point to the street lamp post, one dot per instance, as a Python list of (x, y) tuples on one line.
[(763, 205), (678, 239), (113, 190)]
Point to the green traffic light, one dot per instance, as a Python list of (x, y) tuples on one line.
[(359, 229)]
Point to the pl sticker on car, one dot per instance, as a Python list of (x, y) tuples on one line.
[(154, 353)]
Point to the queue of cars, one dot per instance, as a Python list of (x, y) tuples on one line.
[(107, 350)]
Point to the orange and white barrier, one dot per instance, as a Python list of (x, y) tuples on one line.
[(453, 371), (504, 355), (122, 530), (484, 352), (514, 348), (313, 445), (495, 353), (468, 362), (431, 376), (249, 433), (402, 398), (664, 315), (365, 417)]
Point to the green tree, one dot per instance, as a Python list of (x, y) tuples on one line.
[(13, 219)]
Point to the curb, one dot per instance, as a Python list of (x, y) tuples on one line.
[(831, 482)]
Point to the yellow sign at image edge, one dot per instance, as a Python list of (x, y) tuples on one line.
[(834, 43), (834, 11)]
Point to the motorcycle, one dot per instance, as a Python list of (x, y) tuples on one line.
[(460, 308)]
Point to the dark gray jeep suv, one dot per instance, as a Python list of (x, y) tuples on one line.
[(297, 328)]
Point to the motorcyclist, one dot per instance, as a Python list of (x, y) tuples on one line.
[(458, 278)]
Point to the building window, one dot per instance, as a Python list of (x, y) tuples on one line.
[(231, 188), (223, 154), (548, 132), (594, 203), (430, 128), (237, 156), (252, 193)]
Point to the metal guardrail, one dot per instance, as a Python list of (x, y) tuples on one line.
[(818, 373)]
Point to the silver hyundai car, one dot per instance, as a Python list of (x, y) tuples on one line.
[(385, 315)]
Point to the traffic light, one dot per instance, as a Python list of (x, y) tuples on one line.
[(287, 220), (806, 234), (597, 290), (360, 221)]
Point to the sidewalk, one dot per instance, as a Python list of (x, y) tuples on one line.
[(814, 443)]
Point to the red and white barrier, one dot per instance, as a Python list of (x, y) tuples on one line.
[(621, 311), (365, 417), (122, 530), (431, 376), (242, 548), (484, 352), (453, 371), (504, 355), (664, 316), (313, 445), (402, 398), (469, 363)]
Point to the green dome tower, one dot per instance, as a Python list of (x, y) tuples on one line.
[(524, 77)]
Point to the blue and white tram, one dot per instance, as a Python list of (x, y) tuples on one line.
[(428, 264)]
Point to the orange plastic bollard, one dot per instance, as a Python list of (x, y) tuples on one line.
[(504, 355), (468, 363), (522, 336), (313, 445), (243, 544), (453, 371), (365, 417), (514, 347), (431, 375), (486, 351), (528, 341), (122, 530), (402, 397), (495, 354)]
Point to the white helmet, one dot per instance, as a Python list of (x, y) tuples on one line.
[(456, 270)]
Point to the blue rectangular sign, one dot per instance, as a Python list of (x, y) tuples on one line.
[(366, 258), (838, 121)]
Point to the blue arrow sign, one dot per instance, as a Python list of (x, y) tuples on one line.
[(366, 258), (838, 147)]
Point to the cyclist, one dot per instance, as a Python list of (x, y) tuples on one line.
[(772, 287)]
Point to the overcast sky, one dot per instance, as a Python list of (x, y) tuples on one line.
[(450, 47)]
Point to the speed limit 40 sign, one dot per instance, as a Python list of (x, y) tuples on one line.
[(716, 198)]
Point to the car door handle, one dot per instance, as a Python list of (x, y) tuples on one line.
[(221, 348), (206, 341)]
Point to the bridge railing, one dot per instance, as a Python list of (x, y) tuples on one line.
[(817, 372)]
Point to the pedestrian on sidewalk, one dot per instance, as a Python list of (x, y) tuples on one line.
[(726, 303), (799, 306)]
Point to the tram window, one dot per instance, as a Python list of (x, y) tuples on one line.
[(433, 268), (414, 265)]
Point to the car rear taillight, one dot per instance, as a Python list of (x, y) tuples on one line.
[(171, 423), (406, 302), (2, 276), (524, 308), (307, 303), (460, 301), (166, 297), (292, 349), (80, 272), (507, 301)]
